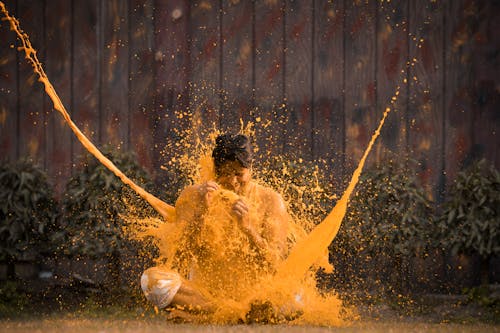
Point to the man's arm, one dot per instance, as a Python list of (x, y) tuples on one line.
[(277, 224), (193, 203), (268, 234), (187, 207)]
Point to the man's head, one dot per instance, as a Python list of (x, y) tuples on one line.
[(232, 157)]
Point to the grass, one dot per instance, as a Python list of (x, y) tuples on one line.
[(148, 325), (92, 316), (72, 310)]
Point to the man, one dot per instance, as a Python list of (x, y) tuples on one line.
[(233, 232)]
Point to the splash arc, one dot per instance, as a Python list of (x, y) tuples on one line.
[(308, 250), (166, 210)]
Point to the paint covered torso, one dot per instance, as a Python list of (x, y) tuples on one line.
[(214, 250)]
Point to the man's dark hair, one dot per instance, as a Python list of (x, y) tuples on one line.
[(229, 147)]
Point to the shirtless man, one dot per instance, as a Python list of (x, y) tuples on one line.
[(259, 213)]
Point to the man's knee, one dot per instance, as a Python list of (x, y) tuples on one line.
[(160, 285)]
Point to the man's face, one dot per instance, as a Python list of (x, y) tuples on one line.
[(232, 176)]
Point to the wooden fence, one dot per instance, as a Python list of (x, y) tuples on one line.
[(314, 76)]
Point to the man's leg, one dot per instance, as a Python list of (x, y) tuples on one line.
[(191, 298), (164, 287)]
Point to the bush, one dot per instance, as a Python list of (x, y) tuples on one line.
[(388, 221), (303, 185), (28, 211), (470, 223), (12, 299), (96, 206)]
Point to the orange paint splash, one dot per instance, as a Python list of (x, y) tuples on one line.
[(310, 249), (166, 210), (225, 265)]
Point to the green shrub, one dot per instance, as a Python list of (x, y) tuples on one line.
[(28, 211), (12, 299), (96, 204), (390, 213), (388, 221), (470, 222)]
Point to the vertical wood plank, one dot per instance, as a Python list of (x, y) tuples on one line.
[(206, 61), (114, 74), (485, 70), (141, 85), (269, 74), (171, 68), (237, 58), (360, 86), (31, 99), (298, 79), (172, 43), (86, 72), (471, 101), (58, 68), (392, 56), (458, 114), (426, 94), (328, 126), (8, 89)]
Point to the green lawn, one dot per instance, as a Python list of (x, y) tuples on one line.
[(155, 326), (61, 310)]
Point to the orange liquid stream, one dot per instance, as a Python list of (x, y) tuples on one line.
[(308, 250), (166, 210)]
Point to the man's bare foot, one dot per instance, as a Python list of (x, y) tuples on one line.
[(261, 312), (186, 314), (264, 312)]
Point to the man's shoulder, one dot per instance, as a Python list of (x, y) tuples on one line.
[(190, 192), (191, 188), (266, 192)]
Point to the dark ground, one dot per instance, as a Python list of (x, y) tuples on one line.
[(39, 307)]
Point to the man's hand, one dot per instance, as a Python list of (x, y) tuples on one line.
[(207, 191), (240, 210)]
